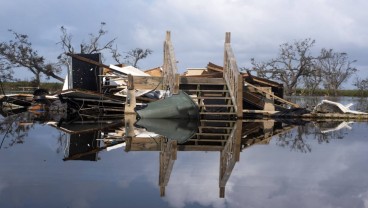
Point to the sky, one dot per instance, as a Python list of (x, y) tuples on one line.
[(198, 27)]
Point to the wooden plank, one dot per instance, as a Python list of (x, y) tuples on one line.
[(215, 106), (176, 84), (258, 89), (211, 134), (336, 116), (130, 82), (218, 121), (169, 67), (207, 148), (212, 98), (201, 80), (233, 78), (215, 127), (148, 83), (204, 91), (217, 113), (80, 58), (260, 112)]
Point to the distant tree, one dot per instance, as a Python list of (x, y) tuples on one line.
[(336, 69), (313, 80), (133, 56), (18, 53), (293, 62), (6, 72), (361, 85)]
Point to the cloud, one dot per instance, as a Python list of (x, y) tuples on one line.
[(198, 27)]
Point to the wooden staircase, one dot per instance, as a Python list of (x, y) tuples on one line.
[(216, 110), (212, 96)]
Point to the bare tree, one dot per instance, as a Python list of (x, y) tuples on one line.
[(133, 56), (336, 68), (361, 85), (6, 72), (18, 53), (293, 62), (93, 44), (313, 80)]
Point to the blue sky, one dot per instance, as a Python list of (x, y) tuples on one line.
[(197, 26)]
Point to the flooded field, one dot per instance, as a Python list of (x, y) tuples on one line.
[(249, 163)]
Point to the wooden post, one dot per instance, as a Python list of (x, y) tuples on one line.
[(130, 103), (227, 37), (239, 100), (170, 81), (176, 84), (233, 78)]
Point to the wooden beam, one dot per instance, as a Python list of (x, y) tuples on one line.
[(258, 89), (148, 83), (80, 58), (201, 80)]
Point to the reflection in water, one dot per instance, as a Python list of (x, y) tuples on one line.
[(84, 138), (173, 129)]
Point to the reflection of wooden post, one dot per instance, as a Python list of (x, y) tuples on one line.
[(130, 120), (167, 159), (229, 156), (237, 143), (130, 103)]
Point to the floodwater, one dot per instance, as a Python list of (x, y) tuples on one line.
[(272, 164)]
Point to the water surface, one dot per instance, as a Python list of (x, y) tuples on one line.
[(317, 164)]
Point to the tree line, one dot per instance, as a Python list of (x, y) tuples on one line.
[(296, 67), (19, 54)]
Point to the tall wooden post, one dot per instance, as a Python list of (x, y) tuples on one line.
[(170, 71), (233, 78)]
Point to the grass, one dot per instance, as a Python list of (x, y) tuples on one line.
[(26, 87), (321, 92)]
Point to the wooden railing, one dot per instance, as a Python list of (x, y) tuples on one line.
[(230, 155), (170, 70), (233, 78)]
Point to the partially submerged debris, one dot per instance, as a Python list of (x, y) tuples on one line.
[(327, 106), (214, 92), (176, 106)]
